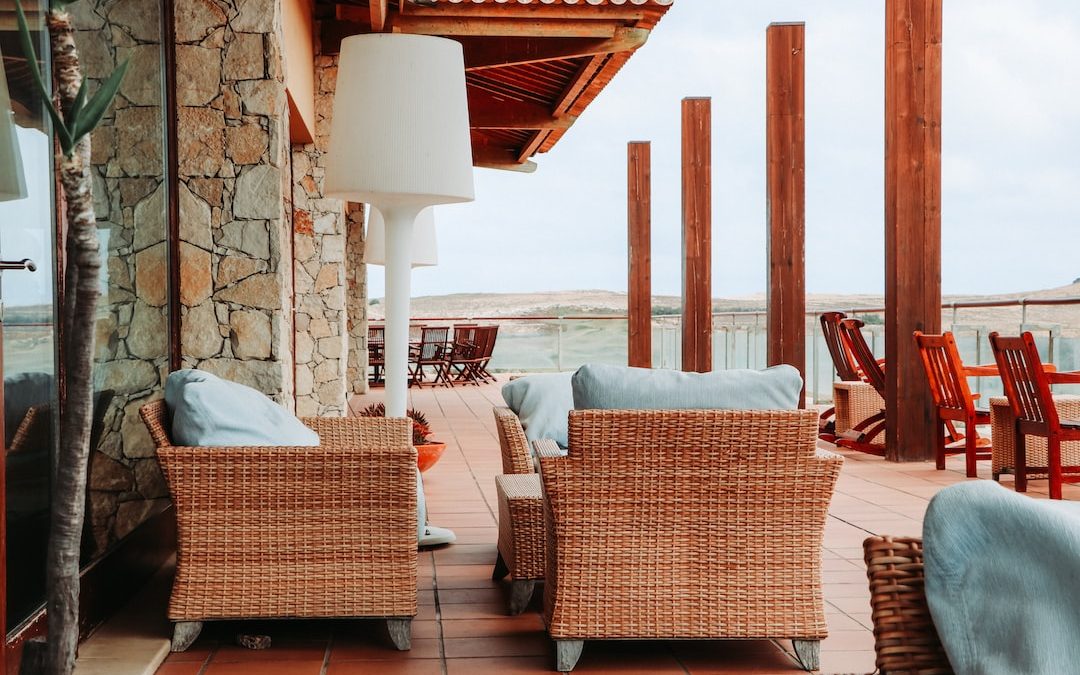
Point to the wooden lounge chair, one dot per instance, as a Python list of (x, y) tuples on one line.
[(683, 524), (853, 398), (485, 348), (861, 436), (326, 531), (905, 639), (953, 400), (842, 363), (1027, 386)]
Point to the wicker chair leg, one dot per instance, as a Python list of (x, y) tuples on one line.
[(184, 634), (400, 631), (808, 653), (567, 653), (521, 591), (501, 570)]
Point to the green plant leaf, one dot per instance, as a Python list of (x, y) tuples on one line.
[(79, 102), (89, 116), (27, 44)]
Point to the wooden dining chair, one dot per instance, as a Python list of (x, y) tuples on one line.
[(953, 400), (861, 436), (456, 368), (1027, 386), (376, 351), (431, 351)]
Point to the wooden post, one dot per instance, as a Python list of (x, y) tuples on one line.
[(697, 234), (912, 218), (639, 286), (786, 194)]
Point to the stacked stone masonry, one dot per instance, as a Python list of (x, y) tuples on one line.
[(235, 235)]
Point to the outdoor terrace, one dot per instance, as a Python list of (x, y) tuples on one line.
[(463, 628)]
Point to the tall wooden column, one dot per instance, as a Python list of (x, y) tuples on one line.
[(912, 218), (786, 168), (639, 226), (697, 234)]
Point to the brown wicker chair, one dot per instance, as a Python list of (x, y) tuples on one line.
[(276, 532), (687, 524), (905, 639), (521, 514)]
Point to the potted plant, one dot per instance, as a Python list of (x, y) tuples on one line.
[(427, 451)]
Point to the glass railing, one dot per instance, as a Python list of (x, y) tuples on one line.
[(533, 344)]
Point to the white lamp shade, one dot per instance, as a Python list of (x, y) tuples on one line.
[(12, 181), (425, 250), (400, 132)]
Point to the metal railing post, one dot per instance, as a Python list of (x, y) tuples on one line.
[(558, 344)]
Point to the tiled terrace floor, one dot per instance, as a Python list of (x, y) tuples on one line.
[(462, 627)]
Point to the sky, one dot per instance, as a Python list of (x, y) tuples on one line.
[(1011, 143)]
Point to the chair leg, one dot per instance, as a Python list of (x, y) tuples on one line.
[(971, 448), (1053, 455), (567, 653), (184, 634), (521, 591), (1020, 460), (400, 631), (940, 453), (501, 570), (808, 652)]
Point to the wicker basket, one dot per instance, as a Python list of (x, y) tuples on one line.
[(854, 402), (1003, 427), (905, 639)]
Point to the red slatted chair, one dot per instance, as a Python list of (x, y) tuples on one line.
[(430, 352), (462, 354), (376, 351), (486, 347), (953, 400), (861, 436), (1027, 386), (842, 362)]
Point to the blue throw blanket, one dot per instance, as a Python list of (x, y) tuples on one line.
[(1003, 580)]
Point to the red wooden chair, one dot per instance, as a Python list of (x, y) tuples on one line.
[(462, 355), (1027, 386), (953, 400), (861, 436), (376, 351), (842, 362), (485, 348)]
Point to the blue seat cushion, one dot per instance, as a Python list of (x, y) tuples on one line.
[(603, 387), (209, 411), (542, 403)]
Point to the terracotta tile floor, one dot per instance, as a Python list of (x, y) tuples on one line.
[(462, 627)]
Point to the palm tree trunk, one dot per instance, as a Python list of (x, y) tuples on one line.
[(79, 309)]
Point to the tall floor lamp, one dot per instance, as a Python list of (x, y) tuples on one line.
[(400, 142)]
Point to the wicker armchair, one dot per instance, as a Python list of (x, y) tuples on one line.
[(276, 532), (521, 514), (905, 639), (702, 524)]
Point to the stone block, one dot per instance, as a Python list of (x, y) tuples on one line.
[(141, 20), (202, 141), (262, 97), (244, 58), (142, 82), (148, 335), (258, 193), (198, 75), (152, 275), (195, 219), (195, 19), (196, 283), (139, 146), (250, 334), (246, 144), (261, 291), (199, 335)]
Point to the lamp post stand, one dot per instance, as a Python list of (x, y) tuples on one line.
[(399, 229)]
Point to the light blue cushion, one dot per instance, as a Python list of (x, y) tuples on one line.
[(1001, 571), (542, 403), (601, 387), (209, 411)]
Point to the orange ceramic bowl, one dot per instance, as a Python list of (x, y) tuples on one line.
[(428, 454)]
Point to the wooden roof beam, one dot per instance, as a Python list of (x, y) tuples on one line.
[(492, 112), (624, 13), (487, 53), (377, 10), (503, 159), (504, 27)]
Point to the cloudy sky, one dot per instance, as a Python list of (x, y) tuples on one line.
[(1011, 166)]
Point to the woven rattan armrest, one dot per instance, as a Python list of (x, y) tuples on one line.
[(545, 447)]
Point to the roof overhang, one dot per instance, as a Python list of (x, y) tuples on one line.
[(533, 66)]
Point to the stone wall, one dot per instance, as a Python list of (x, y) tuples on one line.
[(235, 234), (126, 485), (320, 227), (356, 302)]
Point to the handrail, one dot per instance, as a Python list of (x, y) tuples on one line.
[(964, 304)]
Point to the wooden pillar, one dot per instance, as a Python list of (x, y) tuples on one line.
[(912, 218), (697, 234), (639, 226), (786, 194)]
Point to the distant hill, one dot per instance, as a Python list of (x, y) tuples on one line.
[(596, 302)]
